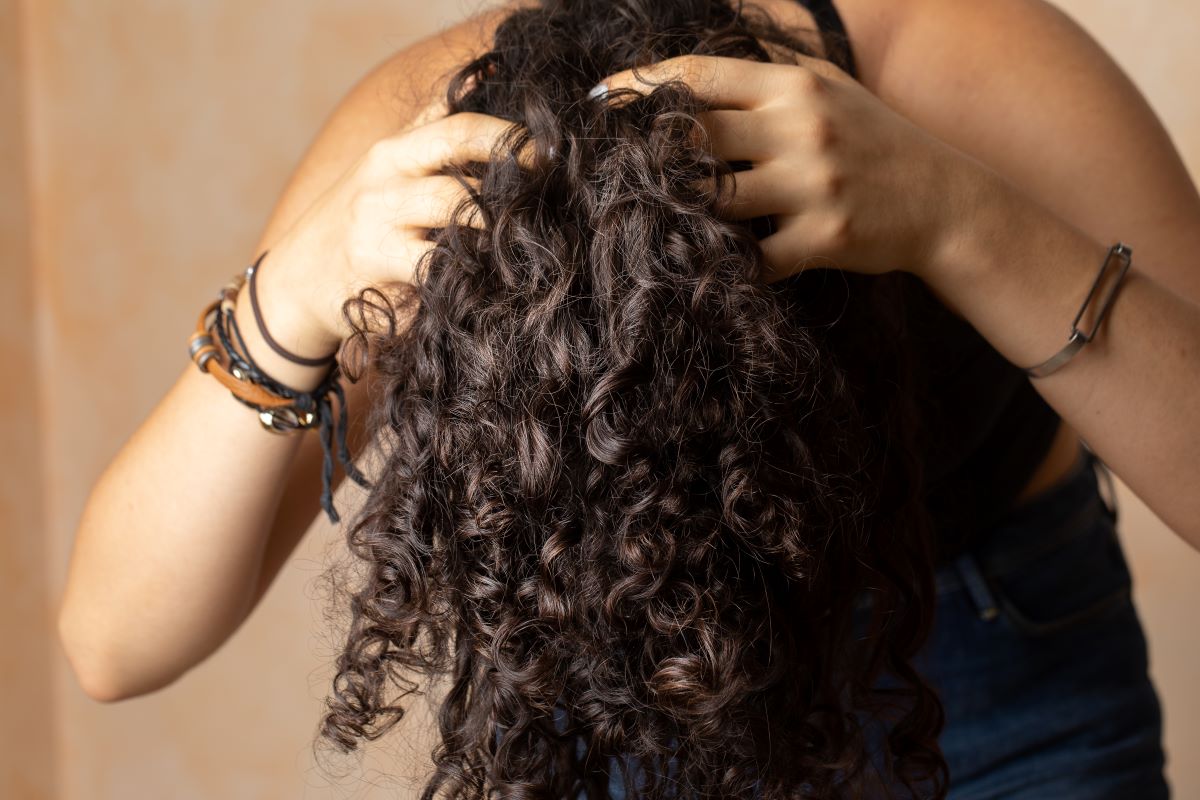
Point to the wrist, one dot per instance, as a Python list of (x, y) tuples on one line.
[(288, 329), (986, 220), (1006, 250), (296, 287), (972, 198)]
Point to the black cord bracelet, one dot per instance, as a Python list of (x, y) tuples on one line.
[(309, 405), (251, 272)]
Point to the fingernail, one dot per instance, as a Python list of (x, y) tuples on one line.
[(597, 91)]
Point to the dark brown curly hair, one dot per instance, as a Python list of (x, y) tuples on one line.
[(633, 498)]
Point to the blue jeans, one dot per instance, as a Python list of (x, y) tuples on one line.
[(1040, 659)]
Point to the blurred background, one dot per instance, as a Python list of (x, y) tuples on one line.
[(142, 147)]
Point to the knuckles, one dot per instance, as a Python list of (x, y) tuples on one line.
[(829, 182), (361, 208), (804, 82), (822, 132), (838, 230), (360, 229), (384, 156)]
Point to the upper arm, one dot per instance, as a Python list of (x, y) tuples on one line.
[(406, 89), (1021, 87)]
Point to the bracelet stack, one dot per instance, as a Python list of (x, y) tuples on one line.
[(1078, 338), (218, 349)]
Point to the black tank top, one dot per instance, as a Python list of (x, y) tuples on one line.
[(988, 427)]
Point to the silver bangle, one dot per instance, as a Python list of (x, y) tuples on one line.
[(1078, 338)]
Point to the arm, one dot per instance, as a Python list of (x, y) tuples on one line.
[(407, 89), (178, 540), (1080, 161), (1001, 156)]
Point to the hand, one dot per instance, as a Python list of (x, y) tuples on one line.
[(368, 228), (846, 179)]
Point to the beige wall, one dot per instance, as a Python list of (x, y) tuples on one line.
[(1156, 44), (27, 723), (141, 147)]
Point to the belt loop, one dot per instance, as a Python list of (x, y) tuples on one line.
[(977, 586)]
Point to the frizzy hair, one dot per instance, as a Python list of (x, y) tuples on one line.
[(631, 493)]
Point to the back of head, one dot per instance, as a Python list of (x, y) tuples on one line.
[(631, 492)]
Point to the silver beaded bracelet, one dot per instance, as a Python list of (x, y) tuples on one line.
[(1078, 338)]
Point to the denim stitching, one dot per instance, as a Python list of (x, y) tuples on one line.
[(978, 588), (1119, 595)]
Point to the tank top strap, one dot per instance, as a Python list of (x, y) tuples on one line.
[(833, 34)]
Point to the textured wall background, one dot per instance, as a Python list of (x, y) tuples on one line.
[(141, 147), (28, 721)]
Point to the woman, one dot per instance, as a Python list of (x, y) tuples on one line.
[(858, 162)]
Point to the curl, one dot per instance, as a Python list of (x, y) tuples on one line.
[(631, 494)]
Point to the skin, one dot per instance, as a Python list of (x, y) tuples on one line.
[(944, 119), (132, 626), (963, 72), (832, 189)]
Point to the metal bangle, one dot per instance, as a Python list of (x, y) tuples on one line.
[(1078, 338)]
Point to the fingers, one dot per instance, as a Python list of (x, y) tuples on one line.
[(721, 81), (822, 66), (784, 257), (736, 135), (751, 193), (390, 225), (778, 258), (759, 192), (454, 139), (431, 202)]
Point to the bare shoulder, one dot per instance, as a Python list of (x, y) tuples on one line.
[(406, 88)]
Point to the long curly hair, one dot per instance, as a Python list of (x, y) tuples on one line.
[(655, 520)]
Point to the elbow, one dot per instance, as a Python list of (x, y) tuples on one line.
[(97, 683), (96, 671), (97, 687)]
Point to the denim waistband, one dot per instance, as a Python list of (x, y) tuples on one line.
[(1068, 508)]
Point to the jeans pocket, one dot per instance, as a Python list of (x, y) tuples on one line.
[(1072, 581)]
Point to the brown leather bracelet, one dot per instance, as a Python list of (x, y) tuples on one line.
[(207, 357), (215, 351)]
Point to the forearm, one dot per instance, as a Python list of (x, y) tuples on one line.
[(184, 530), (1019, 274), (168, 549)]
